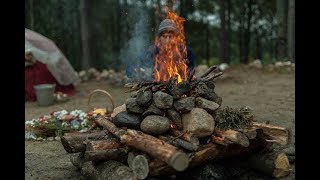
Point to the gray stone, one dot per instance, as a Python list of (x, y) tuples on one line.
[(185, 104), (198, 122), (178, 90), (154, 124), (207, 105), (204, 91), (57, 138), (175, 117), (50, 138), (132, 106), (144, 98), (163, 100), (153, 110), (129, 120)]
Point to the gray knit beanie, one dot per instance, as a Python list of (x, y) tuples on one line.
[(167, 25)]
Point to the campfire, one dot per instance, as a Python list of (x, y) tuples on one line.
[(174, 124)]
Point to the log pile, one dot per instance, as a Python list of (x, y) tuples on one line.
[(170, 127)]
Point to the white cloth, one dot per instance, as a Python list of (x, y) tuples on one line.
[(45, 51)]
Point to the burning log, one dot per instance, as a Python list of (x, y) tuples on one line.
[(149, 144), (139, 164), (74, 142), (276, 133)]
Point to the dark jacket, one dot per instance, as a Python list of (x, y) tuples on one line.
[(142, 68)]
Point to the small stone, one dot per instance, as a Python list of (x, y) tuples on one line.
[(50, 138), (185, 104), (57, 138)]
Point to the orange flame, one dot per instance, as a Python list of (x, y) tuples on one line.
[(173, 126), (171, 59)]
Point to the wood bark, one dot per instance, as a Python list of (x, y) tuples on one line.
[(233, 136), (212, 152), (106, 170), (139, 164), (149, 144), (273, 164), (276, 133), (75, 142), (85, 36), (291, 30)]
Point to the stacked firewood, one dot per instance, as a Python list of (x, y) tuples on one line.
[(168, 127)]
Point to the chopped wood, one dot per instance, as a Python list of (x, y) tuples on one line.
[(147, 143), (233, 136), (75, 142), (179, 143), (209, 70), (276, 133), (139, 165), (109, 154), (274, 164)]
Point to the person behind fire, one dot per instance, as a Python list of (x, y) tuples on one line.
[(143, 68)]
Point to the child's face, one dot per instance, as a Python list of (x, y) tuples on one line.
[(166, 38)]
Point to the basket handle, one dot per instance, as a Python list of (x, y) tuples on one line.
[(102, 91)]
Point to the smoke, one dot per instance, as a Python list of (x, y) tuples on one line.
[(139, 24)]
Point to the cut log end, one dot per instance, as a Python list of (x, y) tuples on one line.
[(179, 161), (140, 166), (66, 145), (282, 166)]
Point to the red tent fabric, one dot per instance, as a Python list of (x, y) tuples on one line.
[(38, 73)]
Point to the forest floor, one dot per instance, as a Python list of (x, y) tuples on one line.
[(271, 95)]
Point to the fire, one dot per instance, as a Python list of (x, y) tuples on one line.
[(171, 60), (173, 126)]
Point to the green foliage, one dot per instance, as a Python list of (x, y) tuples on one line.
[(233, 118)]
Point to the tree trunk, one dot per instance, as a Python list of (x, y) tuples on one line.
[(258, 46), (85, 35), (228, 33), (31, 14), (291, 30), (223, 31), (247, 33), (149, 144), (282, 6), (207, 43), (170, 4), (241, 33), (157, 15)]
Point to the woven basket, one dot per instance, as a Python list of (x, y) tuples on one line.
[(90, 108)]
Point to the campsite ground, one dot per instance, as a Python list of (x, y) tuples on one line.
[(271, 95)]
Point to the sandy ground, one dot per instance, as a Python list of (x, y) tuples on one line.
[(271, 95)]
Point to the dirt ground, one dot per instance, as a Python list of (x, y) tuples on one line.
[(271, 95)]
